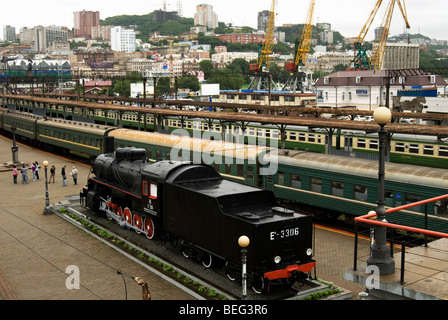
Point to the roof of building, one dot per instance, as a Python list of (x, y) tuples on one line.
[(378, 78)]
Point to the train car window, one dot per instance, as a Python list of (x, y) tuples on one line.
[(440, 207), (361, 143), (443, 151), (311, 138), (414, 148), (145, 189), (302, 137), (228, 169), (412, 198), (389, 198), (360, 192), (149, 153), (292, 136), (399, 147), (69, 137), (373, 144), (159, 155), (296, 181), (281, 178), (275, 134), (268, 133), (251, 131), (153, 191), (249, 173), (428, 150), (259, 132), (242, 97), (337, 188), (275, 98), (316, 185), (289, 98), (240, 170)]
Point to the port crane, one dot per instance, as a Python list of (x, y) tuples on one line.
[(362, 60), (262, 78), (296, 78)]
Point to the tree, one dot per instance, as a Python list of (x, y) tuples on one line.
[(188, 82), (206, 66)]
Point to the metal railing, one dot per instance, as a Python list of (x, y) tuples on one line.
[(368, 219)]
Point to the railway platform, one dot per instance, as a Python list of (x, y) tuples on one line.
[(425, 274), (41, 254)]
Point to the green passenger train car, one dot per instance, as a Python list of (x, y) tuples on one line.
[(80, 138), (340, 185), (237, 162)]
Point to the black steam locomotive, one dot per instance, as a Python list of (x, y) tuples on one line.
[(193, 206)]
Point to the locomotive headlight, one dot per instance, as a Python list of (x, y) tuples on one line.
[(277, 259), (309, 252)]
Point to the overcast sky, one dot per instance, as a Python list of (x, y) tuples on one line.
[(346, 16)]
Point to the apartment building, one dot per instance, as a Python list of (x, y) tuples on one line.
[(84, 21), (205, 16), (123, 40)]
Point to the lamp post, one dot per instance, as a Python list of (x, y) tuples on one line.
[(380, 255), (47, 209), (244, 241)]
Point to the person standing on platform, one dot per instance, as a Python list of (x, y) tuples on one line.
[(63, 176), (24, 174), (37, 170), (52, 173), (33, 167), (74, 174), (14, 174)]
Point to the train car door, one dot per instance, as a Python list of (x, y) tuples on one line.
[(150, 200)]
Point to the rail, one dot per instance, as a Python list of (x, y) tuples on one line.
[(372, 214)]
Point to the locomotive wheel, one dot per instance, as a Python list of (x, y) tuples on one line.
[(230, 272), (186, 250), (207, 260), (127, 215), (258, 284), (149, 228), (138, 223), (119, 212)]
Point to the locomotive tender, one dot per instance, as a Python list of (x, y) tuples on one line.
[(193, 206)]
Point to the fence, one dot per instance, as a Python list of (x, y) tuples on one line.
[(368, 220)]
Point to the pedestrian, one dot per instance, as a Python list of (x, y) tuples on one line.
[(14, 174), (37, 170), (74, 174), (63, 176), (33, 167), (24, 174), (146, 295), (52, 173)]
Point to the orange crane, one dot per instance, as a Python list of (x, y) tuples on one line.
[(302, 49), (362, 59), (262, 78)]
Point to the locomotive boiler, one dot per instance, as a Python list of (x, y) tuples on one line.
[(204, 214)]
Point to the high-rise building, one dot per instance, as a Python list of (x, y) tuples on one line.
[(122, 40), (263, 19), (205, 16), (83, 22), (45, 36), (9, 33)]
